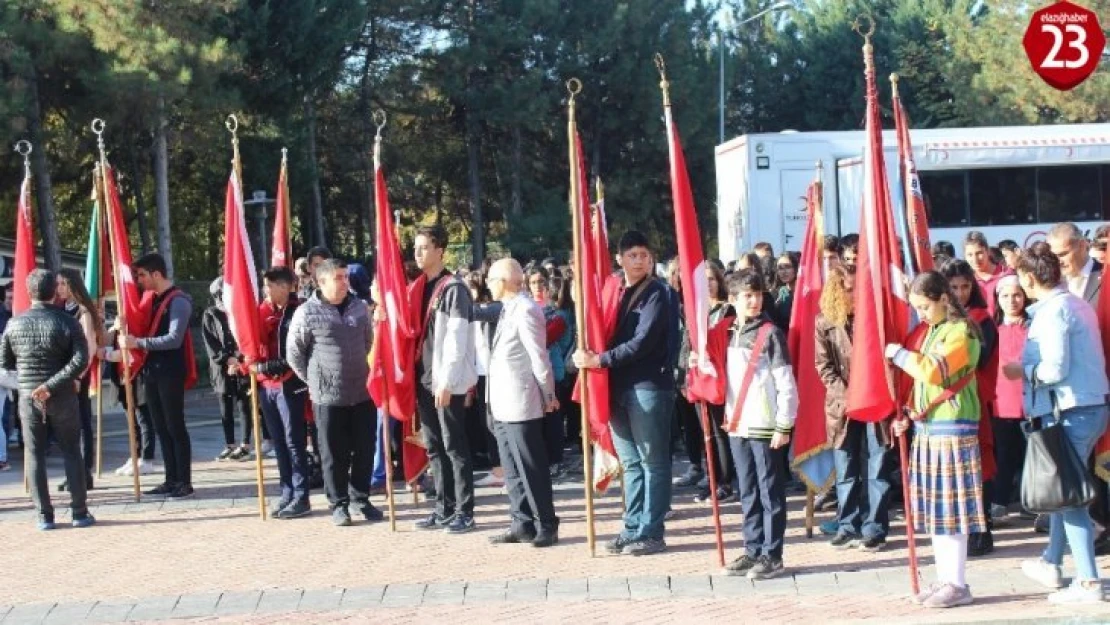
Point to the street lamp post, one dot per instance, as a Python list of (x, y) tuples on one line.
[(778, 6), (258, 198)]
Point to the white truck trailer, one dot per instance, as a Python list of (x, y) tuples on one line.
[(1008, 182)]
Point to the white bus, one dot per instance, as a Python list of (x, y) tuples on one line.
[(1008, 182)]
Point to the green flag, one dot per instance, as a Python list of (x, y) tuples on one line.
[(93, 281)]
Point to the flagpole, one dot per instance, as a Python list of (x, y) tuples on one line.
[(387, 445), (574, 87), (100, 184), (232, 125), (288, 213), (869, 74), (24, 148), (97, 375)]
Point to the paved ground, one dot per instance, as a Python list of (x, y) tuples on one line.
[(211, 558)]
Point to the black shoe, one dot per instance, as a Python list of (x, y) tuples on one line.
[(766, 568), (724, 495), (690, 478), (295, 510), (370, 513), (1040, 524), (84, 520), (980, 544), (844, 540), (88, 481), (873, 544), (63, 486), (1102, 543), (161, 490), (826, 502), (340, 517), (432, 522), (645, 547), (546, 538), (510, 537), (461, 524), (740, 566), (183, 491), (617, 545)]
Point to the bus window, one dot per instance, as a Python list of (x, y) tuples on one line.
[(1069, 193), (945, 197), (1003, 197)]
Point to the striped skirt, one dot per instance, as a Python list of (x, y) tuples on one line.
[(946, 485)]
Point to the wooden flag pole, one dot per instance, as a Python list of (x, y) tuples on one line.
[(101, 181), (711, 469), (810, 505), (574, 86), (99, 429), (232, 124), (376, 354)]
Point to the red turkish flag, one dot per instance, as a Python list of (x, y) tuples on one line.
[(703, 380), (916, 219), (812, 457), (135, 311), (281, 252), (240, 292), (882, 312), (24, 249), (593, 276)]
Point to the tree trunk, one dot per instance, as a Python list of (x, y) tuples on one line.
[(472, 155), (162, 186), (48, 226), (314, 173), (516, 200), (140, 203)]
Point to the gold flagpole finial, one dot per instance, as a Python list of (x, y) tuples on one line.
[(379, 119), (664, 84), (232, 125), (24, 148), (574, 87), (868, 49), (98, 130), (894, 84)]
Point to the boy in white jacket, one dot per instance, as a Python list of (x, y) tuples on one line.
[(760, 427)]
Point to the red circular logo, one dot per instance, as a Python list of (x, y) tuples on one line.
[(1064, 43)]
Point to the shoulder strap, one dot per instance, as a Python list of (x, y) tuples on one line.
[(749, 375), (161, 311), (637, 293), (947, 395)]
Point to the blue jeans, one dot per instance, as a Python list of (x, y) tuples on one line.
[(1083, 426), (285, 414), (862, 459), (377, 478), (641, 424)]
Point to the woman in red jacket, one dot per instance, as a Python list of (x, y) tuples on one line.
[(962, 282)]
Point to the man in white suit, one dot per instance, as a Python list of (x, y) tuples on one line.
[(520, 389)]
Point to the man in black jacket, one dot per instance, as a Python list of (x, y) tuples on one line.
[(283, 394), (641, 397), (227, 381), (48, 351)]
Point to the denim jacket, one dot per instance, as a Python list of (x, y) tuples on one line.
[(1063, 355)]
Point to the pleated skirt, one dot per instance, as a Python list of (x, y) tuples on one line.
[(946, 485)]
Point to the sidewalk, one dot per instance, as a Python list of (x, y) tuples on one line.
[(212, 558)]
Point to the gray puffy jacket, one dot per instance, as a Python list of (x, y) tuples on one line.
[(328, 349)]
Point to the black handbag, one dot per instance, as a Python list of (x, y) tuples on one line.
[(1055, 478)]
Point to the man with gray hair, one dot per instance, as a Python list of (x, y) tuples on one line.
[(1082, 274), (47, 349), (329, 338), (520, 370)]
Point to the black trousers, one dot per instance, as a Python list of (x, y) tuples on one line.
[(527, 479), (62, 419), (687, 420), (228, 403), (84, 408), (571, 410), (1009, 454), (165, 398), (444, 431), (554, 435), (724, 468), (476, 423), (348, 437)]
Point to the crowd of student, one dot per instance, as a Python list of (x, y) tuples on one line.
[(1004, 335)]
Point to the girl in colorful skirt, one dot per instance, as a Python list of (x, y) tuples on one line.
[(946, 485)]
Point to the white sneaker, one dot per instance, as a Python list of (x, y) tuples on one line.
[(1078, 593), (490, 480), (1044, 573), (148, 467), (125, 468), (267, 448)]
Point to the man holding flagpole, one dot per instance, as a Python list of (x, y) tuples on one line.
[(642, 396)]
